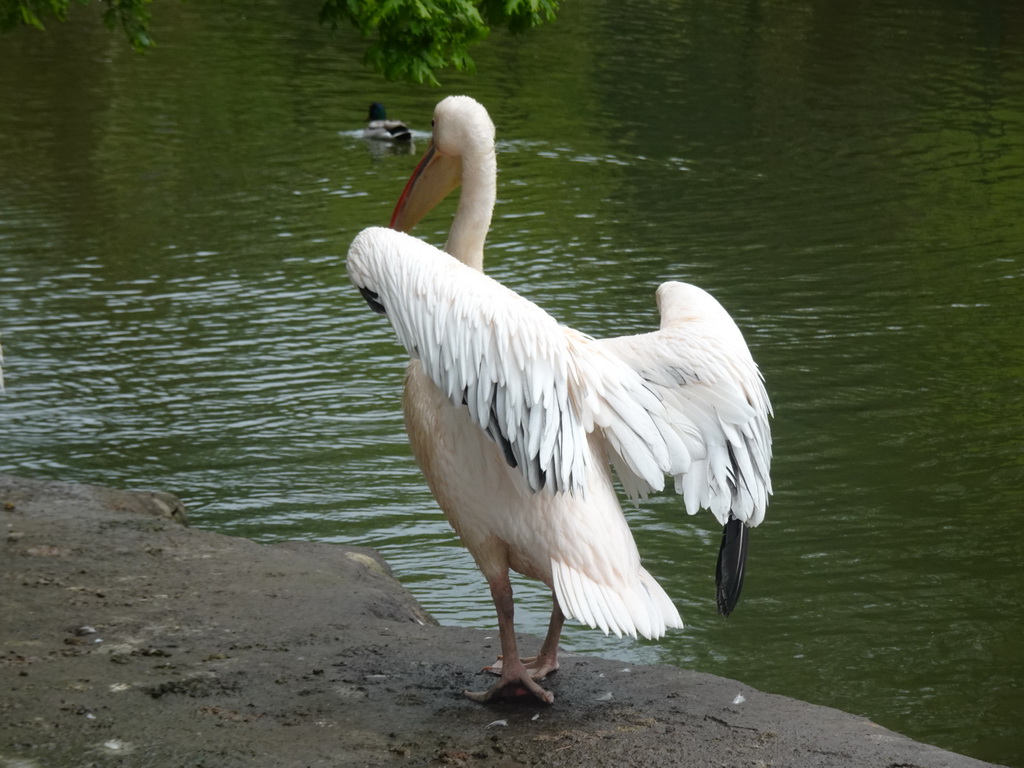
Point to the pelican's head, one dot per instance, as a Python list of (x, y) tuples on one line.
[(462, 143)]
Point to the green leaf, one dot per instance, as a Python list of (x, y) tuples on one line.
[(408, 40)]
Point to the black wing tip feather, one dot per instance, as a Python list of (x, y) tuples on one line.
[(732, 563), (373, 299)]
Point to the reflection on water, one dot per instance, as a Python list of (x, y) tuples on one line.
[(845, 178)]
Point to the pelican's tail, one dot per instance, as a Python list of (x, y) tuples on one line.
[(640, 607)]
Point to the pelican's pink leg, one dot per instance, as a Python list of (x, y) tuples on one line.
[(515, 679), (546, 662)]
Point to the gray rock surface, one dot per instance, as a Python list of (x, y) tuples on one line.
[(129, 639)]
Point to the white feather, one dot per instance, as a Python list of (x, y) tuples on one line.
[(686, 400)]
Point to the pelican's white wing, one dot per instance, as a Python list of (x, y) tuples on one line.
[(686, 401), (485, 347), (713, 401)]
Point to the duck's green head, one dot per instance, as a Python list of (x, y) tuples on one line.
[(377, 111)]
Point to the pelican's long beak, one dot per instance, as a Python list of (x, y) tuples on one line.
[(434, 178)]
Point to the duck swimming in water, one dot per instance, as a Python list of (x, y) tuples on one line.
[(379, 128)]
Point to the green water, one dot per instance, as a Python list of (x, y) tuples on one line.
[(847, 178)]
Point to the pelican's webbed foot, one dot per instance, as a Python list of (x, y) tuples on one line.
[(514, 683), (539, 667)]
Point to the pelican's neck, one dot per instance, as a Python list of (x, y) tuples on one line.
[(476, 205)]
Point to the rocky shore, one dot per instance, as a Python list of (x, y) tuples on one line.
[(130, 639)]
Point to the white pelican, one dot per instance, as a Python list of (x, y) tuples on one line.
[(380, 128), (516, 420)]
